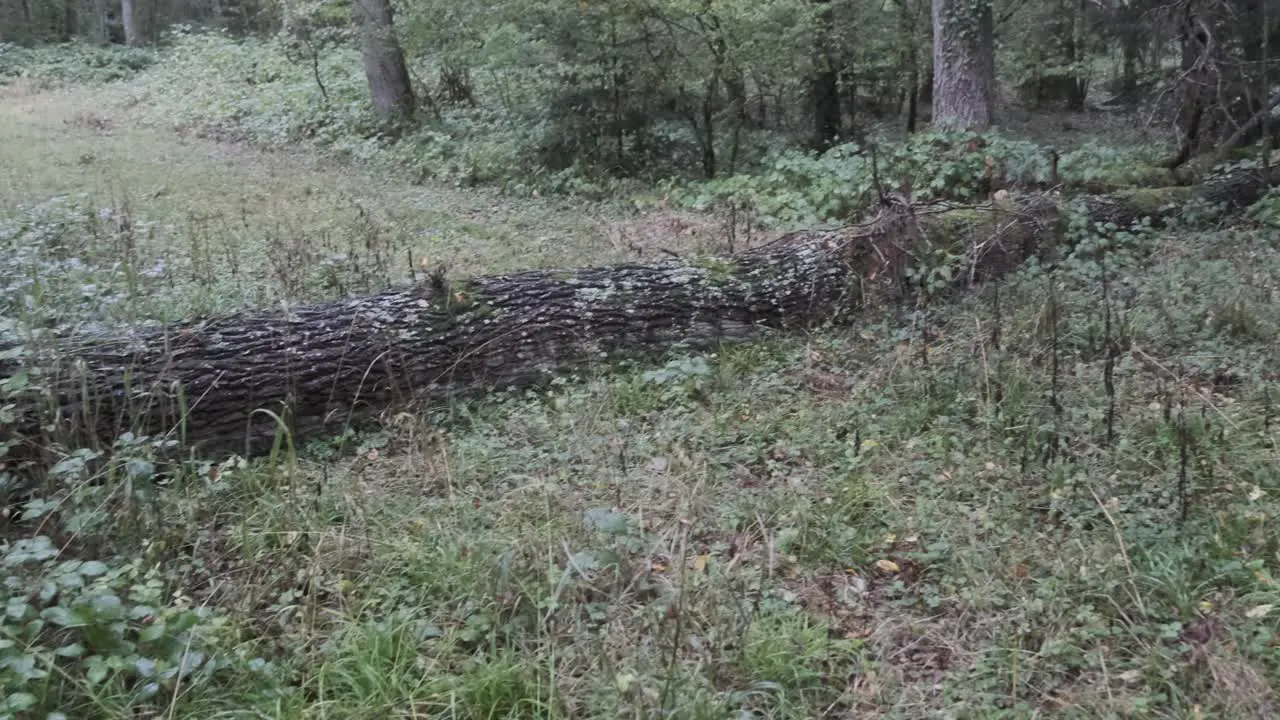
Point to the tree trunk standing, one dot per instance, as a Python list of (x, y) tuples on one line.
[(824, 84), (1197, 67), (129, 17), (384, 65), (910, 59), (1130, 47), (963, 64), (101, 23), (321, 366), (825, 88), (709, 24), (70, 23), (27, 20)]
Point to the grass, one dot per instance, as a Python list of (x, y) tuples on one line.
[(945, 512), (254, 227)]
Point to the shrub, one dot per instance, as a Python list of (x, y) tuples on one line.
[(79, 63)]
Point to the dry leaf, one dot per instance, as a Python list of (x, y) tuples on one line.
[(888, 566), (1258, 611)]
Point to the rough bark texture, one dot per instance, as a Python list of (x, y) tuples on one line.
[(384, 65), (963, 64), (320, 366)]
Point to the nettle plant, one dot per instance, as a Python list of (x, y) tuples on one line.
[(90, 622), (93, 633)]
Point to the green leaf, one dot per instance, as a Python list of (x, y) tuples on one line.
[(93, 568), (72, 650), (61, 616), (608, 521), (139, 469), (16, 608), (20, 701), (97, 671), (152, 632), (18, 381), (108, 604)]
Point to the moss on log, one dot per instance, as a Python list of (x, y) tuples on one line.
[(321, 366)]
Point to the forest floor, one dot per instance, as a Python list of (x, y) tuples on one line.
[(295, 208), (951, 511)]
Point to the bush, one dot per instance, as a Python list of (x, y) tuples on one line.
[(798, 188), (72, 63)]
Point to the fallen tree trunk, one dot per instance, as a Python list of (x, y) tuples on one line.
[(318, 367)]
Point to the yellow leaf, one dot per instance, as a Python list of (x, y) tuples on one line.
[(888, 566), (700, 563), (870, 444)]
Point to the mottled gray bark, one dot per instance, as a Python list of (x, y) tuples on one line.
[(384, 65), (323, 365), (963, 64), (129, 17)]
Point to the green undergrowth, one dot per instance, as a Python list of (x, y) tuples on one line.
[(72, 63), (1052, 496), (266, 94)]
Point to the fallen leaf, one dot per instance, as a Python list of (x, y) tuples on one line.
[(1259, 611), (888, 566)]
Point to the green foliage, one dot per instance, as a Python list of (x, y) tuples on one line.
[(78, 63), (803, 189), (91, 638), (1267, 210), (96, 623), (259, 91), (67, 266), (1063, 494)]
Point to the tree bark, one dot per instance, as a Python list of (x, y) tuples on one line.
[(963, 64), (101, 22), (27, 20), (321, 366), (824, 84), (129, 17), (384, 65)]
